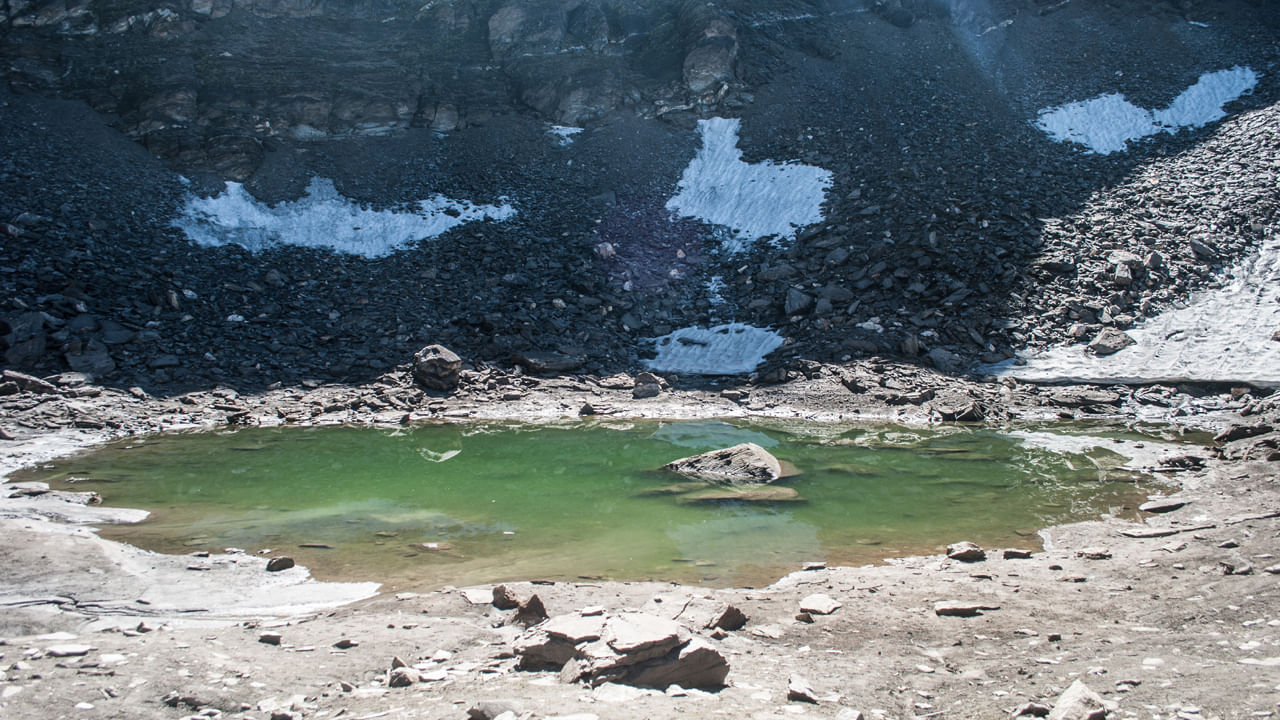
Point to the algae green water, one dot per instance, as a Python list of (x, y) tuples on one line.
[(457, 504)]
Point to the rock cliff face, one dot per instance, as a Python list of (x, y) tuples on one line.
[(207, 84)]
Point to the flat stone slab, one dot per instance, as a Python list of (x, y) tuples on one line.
[(1162, 505), (636, 632), (68, 650), (478, 595), (820, 604), (740, 493), (957, 608), (1158, 532), (574, 628)]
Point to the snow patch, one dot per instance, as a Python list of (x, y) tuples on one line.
[(563, 134), (715, 291), (323, 218), (752, 200), (1108, 123), (1104, 124), (732, 349), (1222, 335), (1202, 103)]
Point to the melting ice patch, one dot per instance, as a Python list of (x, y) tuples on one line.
[(731, 349), (323, 218), (752, 200), (1107, 123), (1222, 335), (563, 134)]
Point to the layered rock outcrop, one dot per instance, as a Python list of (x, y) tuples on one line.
[(213, 84)]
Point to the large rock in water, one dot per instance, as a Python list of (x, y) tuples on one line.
[(437, 367), (744, 464)]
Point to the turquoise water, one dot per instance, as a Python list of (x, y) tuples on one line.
[(431, 505)]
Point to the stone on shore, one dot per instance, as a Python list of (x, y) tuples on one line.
[(637, 633), (504, 598), (699, 613), (647, 385), (629, 648), (28, 383), (819, 604), (743, 464), (492, 709), (957, 608), (695, 665), (530, 612), (1078, 702), (1240, 432), (1162, 505), (403, 677), (1109, 342), (966, 551), (799, 690), (66, 651), (437, 367)]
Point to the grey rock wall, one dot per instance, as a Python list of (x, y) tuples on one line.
[(206, 83)]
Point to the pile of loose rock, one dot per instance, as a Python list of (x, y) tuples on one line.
[(631, 648)]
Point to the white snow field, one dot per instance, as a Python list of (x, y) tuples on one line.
[(1222, 335), (1108, 123), (323, 218), (731, 349), (752, 201)]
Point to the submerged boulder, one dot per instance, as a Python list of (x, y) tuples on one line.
[(744, 464), (741, 494)]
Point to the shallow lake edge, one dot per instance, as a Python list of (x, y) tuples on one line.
[(808, 401), (1042, 595)]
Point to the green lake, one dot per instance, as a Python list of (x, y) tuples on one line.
[(430, 505)]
